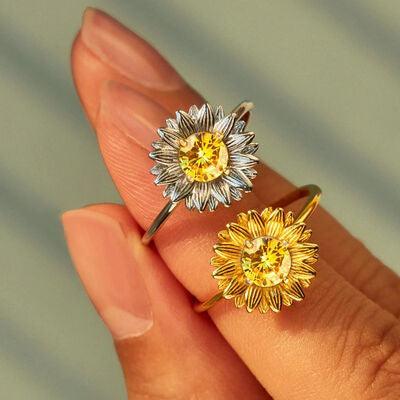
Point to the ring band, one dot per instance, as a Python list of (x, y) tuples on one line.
[(273, 298), (221, 181)]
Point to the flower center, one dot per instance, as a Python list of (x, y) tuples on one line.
[(266, 261), (203, 156)]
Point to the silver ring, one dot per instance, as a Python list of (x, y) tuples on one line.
[(204, 158)]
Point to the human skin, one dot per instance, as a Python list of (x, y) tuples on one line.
[(341, 342)]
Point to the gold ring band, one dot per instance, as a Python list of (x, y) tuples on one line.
[(312, 194)]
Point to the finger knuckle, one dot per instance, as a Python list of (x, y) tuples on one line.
[(383, 378), (374, 358)]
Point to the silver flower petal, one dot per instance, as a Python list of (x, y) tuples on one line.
[(158, 169), (238, 127), (237, 141), (194, 112), (168, 190), (189, 202), (220, 190), (225, 125), (171, 123), (164, 156), (170, 136), (250, 148), (241, 161), (236, 178), (212, 203), (201, 195), (181, 189), (205, 120), (219, 113), (235, 193), (185, 123), (169, 175), (160, 144), (250, 172)]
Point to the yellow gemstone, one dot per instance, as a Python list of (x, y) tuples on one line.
[(203, 156), (266, 261)]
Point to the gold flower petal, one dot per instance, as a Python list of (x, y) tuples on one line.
[(302, 252), (235, 287), (289, 218), (224, 236), (226, 270), (240, 301), (275, 299), (292, 233), (266, 213), (242, 219), (305, 283), (253, 296), (255, 223), (223, 283), (305, 235), (217, 261), (303, 271), (286, 300), (263, 307), (275, 223), (295, 291), (238, 234), (227, 250)]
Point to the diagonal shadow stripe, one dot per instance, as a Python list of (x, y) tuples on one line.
[(302, 127), (32, 218), (25, 61), (34, 358), (365, 28)]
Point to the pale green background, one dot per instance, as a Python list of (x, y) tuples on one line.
[(325, 77)]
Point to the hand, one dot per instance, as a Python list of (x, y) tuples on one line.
[(342, 342)]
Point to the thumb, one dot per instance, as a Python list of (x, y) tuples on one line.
[(166, 350)]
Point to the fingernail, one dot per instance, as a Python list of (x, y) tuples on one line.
[(132, 113), (126, 52), (105, 264)]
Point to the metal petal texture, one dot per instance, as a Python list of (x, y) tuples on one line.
[(182, 188), (220, 190), (225, 125), (256, 224), (185, 122), (253, 296), (205, 120)]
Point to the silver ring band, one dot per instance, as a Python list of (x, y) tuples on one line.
[(159, 221)]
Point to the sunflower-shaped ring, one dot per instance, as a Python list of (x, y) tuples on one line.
[(264, 260), (204, 158)]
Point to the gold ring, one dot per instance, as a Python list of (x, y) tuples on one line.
[(204, 158), (264, 260)]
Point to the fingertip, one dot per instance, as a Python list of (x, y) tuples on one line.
[(106, 266), (126, 52)]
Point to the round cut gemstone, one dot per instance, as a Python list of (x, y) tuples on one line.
[(266, 261), (203, 156)]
